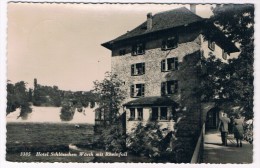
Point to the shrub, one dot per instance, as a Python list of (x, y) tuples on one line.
[(146, 140), (112, 138)]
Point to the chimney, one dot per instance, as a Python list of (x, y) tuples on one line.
[(193, 8), (149, 21)]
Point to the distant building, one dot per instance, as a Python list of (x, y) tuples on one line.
[(149, 57)]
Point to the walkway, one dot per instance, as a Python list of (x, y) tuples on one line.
[(214, 152)]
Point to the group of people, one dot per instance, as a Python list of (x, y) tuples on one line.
[(225, 124)]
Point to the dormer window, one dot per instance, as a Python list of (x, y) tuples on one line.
[(224, 54), (211, 45), (138, 69), (138, 49), (169, 64), (122, 52), (170, 43)]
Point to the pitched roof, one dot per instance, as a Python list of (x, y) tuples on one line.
[(152, 101), (161, 21), (172, 19)]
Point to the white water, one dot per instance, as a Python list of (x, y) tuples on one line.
[(52, 115)]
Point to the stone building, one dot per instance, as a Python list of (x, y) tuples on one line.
[(149, 57)]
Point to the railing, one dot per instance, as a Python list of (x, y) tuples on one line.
[(198, 152)]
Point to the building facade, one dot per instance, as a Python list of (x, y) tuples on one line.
[(148, 59)]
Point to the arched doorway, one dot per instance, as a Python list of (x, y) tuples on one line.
[(212, 119)]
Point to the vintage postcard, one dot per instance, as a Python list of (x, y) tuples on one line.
[(130, 83)]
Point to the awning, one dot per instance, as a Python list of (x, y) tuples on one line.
[(152, 101)]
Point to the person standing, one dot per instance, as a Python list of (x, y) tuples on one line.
[(223, 127), (238, 129)]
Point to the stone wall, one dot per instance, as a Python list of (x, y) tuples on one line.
[(153, 77)]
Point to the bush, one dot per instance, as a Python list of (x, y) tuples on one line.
[(112, 138), (146, 140)]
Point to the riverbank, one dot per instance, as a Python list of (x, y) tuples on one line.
[(44, 137)]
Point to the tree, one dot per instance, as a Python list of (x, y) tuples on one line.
[(146, 140), (35, 84), (112, 139), (11, 106), (18, 97), (67, 111), (111, 96), (30, 95), (237, 22)]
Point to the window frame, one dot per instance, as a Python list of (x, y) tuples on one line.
[(166, 90), (169, 40), (132, 114), (134, 69), (165, 64), (166, 115), (157, 114), (159, 109), (140, 114), (135, 50), (133, 90)]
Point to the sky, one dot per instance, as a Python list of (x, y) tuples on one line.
[(60, 44)]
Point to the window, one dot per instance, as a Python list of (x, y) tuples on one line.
[(169, 64), (224, 55), (122, 52), (170, 43), (137, 90), (138, 49), (169, 87), (132, 113), (211, 45), (138, 69), (154, 113), (140, 113), (163, 113)]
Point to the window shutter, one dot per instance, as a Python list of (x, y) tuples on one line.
[(163, 66), (163, 87), (143, 68), (213, 46), (132, 69), (142, 90), (132, 90), (176, 63)]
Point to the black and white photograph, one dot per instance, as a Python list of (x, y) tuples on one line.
[(130, 82)]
